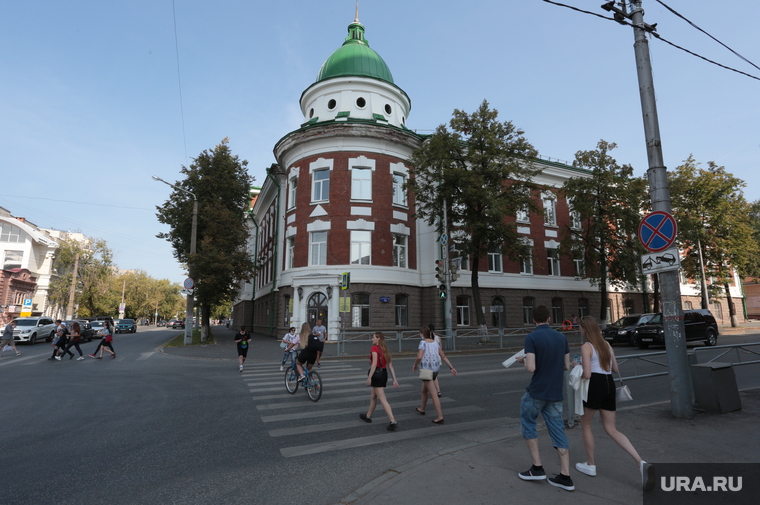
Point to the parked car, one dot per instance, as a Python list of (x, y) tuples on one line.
[(31, 329), (624, 329), (176, 323), (699, 324), (126, 326), (161, 323), (85, 329)]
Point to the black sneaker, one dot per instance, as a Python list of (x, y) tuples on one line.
[(364, 418), (532, 474), (563, 481), (392, 426)]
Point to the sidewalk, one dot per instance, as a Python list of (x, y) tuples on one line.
[(485, 471)]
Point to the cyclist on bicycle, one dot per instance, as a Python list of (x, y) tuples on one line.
[(309, 353), (291, 341)]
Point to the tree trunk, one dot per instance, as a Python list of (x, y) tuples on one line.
[(603, 290), (644, 293), (480, 318), (205, 310), (731, 308)]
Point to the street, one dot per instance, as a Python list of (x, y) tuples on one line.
[(150, 428)]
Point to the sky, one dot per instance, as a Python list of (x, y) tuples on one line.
[(99, 96)]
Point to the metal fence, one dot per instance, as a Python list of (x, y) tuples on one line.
[(357, 343)]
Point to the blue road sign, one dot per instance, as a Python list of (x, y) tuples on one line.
[(657, 231)]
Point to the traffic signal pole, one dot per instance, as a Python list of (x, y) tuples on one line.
[(681, 401)]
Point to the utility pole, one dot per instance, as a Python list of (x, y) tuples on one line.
[(446, 272), (72, 290), (681, 401)]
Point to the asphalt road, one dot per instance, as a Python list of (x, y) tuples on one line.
[(149, 428)]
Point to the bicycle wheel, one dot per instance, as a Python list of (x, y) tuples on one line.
[(291, 380), (314, 386)]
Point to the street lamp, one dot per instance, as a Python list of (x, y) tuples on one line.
[(193, 234)]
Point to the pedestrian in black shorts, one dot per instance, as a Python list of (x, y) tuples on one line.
[(310, 352), (243, 341)]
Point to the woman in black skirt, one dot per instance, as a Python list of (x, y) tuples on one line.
[(599, 362), (377, 378)]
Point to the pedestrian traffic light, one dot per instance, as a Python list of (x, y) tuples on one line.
[(442, 291), (440, 273)]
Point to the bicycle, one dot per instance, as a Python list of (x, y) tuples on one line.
[(312, 382)]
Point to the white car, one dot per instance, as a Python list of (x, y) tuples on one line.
[(31, 329)]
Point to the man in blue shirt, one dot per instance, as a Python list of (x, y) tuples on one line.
[(547, 356)]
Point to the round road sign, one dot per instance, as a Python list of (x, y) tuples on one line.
[(189, 283), (657, 231)]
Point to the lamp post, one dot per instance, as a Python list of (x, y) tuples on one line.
[(193, 234)]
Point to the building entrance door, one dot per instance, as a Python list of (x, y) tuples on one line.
[(317, 309)]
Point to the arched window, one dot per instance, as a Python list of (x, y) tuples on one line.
[(687, 305), (402, 310), (717, 310), (528, 303)]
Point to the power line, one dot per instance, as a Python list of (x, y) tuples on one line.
[(654, 34), (179, 78), (701, 30), (79, 203)]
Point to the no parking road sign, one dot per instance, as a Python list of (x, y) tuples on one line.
[(657, 231)]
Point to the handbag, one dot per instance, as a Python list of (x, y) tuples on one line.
[(622, 394), (426, 374)]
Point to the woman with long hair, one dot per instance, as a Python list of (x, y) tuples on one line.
[(76, 334), (311, 346), (377, 377), (429, 356), (599, 362)]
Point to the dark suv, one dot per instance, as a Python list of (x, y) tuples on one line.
[(699, 324), (624, 329)]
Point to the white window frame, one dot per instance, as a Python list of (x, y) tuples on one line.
[(10, 233), (361, 178), (549, 201), (526, 265), (361, 247), (291, 248), (15, 258), (463, 311), (320, 187), (495, 262), (552, 256), (580, 269), (293, 192), (400, 250), (575, 220), (399, 195), (318, 247)]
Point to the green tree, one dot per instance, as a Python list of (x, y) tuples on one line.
[(144, 295), (221, 183), (480, 169), (714, 219), (94, 271), (608, 205)]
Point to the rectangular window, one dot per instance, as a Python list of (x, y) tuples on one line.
[(321, 186), (13, 259), (360, 310), (575, 220), (527, 310), (463, 311), (557, 312), (9, 233), (293, 190), (494, 261), (550, 210), (318, 248), (361, 247), (399, 251), (402, 303), (399, 195), (583, 307), (361, 184), (291, 252), (580, 270), (522, 215), (526, 265), (553, 258)]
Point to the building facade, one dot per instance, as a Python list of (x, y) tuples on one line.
[(334, 202)]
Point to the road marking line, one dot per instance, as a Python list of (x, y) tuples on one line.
[(304, 413), (145, 355)]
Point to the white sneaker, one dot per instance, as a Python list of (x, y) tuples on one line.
[(58, 358), (647, 475), (586, 468), (80, 358), (282, 369), (241, 368)]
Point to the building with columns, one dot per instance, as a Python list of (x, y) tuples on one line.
[(335, 202)]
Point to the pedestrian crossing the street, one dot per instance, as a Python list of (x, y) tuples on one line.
[(336, 414)]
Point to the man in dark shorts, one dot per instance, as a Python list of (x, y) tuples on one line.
[(243, 341), (321, 332), (308, 355)]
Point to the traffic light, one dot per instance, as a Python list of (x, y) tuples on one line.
[(440, 272), (442, 291)]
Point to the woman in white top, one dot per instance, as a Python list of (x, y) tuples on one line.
[(429, 355), (599, 362), (438, 341), (291, 341)]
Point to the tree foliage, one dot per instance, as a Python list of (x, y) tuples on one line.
[(481, 169), (712, 214), (221, 183), (145, 296), (609, 204)]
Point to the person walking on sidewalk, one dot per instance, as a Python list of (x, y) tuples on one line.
[(321, 332), (291, 341), (74, 341), (429, 356), (377, 378), (547, 356), (598, 361), (243, 341), (7, 338)]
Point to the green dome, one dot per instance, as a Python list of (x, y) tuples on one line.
[(355, 58)]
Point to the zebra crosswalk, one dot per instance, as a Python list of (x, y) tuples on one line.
[(335, 415)]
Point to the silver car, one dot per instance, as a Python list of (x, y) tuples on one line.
[(31, 329)]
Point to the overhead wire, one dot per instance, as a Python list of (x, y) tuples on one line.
[(656, 35)]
